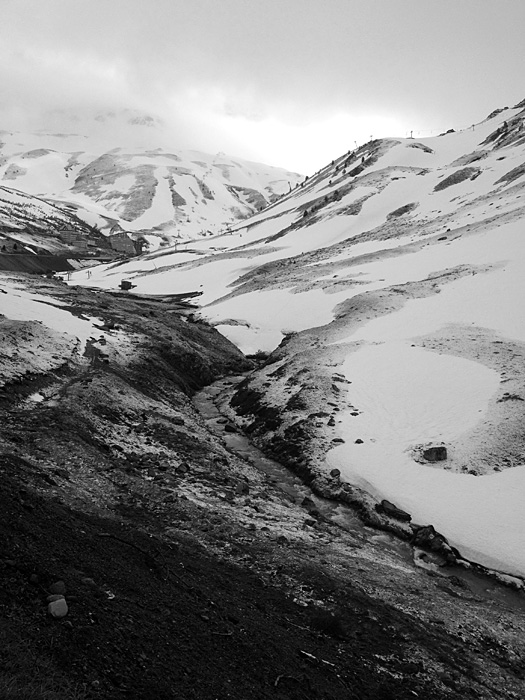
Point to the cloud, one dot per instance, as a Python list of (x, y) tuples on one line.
[(275, 81)]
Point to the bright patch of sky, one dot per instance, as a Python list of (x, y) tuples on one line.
[(292, 83)]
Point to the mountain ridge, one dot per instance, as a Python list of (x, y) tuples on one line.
[(121, 182)]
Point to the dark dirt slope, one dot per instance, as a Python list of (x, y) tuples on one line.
[(183, 624), (34, 263), (113, 485)]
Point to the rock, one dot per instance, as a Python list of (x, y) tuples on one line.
[(335, 473), (55, 596), (241, 487), (427, 538), (307, 503), (89, 582), (435, 454), (58, 587), (395, 512), (359, 441), (229, 428), (58, 608)]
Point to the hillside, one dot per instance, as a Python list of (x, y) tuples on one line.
[(32, 226), (119, 171), (389, 287), (147, 551), (336, 515)]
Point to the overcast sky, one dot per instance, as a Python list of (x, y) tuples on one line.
[(287, 82)]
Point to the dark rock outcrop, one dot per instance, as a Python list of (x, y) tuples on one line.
[(436, 453), (393, 511)]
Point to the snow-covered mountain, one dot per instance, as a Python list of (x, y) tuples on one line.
[(393, 283), (116, 171)]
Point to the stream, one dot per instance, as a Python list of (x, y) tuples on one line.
[(208, 404)]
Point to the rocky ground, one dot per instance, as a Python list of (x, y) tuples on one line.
[(186, 570)]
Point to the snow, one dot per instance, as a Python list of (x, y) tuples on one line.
[(21, 305), (273, 315), (454, 262), (137, 171), (161, 208), (408, 396), (491, 299)]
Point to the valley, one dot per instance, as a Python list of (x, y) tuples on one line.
[(176, 549), (284, 461)]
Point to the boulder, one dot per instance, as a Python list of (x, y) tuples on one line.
[(428, 538), (394, 512)]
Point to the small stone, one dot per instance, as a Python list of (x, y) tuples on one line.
[(335, 473), (359, 441), (229, 428), (307, 503), (58, 587), (242, 487), (437, 453), (34, 579), (58, 608), (55, 596), (89, 582)]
